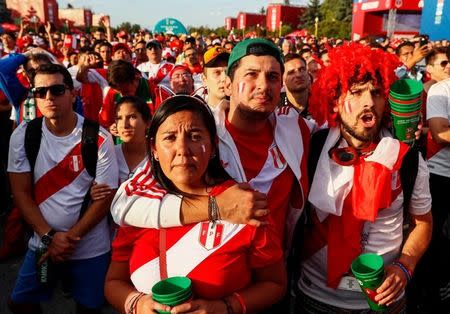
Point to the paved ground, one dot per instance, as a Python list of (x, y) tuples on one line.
[(8, 271)]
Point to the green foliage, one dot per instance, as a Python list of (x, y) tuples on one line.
[(128, 27), (308, 18), (262, 10)]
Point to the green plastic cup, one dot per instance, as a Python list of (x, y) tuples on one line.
[(405, 126), (368, 269), (406, 89), (172, 291), (406, 108)]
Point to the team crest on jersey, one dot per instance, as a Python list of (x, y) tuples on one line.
[(211, 234), (278, 160), (76, 163)]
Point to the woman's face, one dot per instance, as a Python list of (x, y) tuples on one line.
[(130, 124), (183, 147)]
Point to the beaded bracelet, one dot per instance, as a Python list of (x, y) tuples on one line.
[(404, 268), (133, 303), (228, 305), (241, 302), (213, 209)]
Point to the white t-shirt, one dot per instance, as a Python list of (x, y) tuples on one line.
[(383, 237), (438, 106), (124, 171), (61, 207), (151, 70)]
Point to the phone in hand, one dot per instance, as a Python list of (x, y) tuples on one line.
[(423, 41)]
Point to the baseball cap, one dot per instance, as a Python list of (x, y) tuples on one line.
[(119, 46), (255, 46), (179, 67), (122, 34), (152, 44), (215, 54)]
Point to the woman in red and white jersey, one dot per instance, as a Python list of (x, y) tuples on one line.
[(233, 268)]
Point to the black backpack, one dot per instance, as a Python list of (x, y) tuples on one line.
[(89, 148)]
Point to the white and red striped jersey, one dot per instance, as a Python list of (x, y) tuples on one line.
[(61, 181), (331, 187), (218, 258), (438, 106), (285, 159)]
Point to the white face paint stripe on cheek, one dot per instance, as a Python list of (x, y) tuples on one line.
[(347, 106), (241, 87), (204, 148)]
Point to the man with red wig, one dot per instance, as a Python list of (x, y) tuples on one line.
[(356, 194)]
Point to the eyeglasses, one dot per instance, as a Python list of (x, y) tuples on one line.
[(181, 75), (55, 90), (443, 64), (347, 156)]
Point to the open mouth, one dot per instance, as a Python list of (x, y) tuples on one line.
[(368, 120)]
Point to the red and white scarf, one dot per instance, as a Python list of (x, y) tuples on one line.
[(347, 196)]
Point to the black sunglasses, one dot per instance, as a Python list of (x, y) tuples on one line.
[(444, 63), (55, 90)]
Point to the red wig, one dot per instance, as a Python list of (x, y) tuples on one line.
[(349, 64)]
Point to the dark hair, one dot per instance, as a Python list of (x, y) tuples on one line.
[(138, 104), (291, 56), (215, 173), (403, 44), (105, 43), (121, 72), (431, 56), (54, 69)]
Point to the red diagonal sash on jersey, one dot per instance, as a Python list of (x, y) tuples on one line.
[(162, 72), (59, 176)]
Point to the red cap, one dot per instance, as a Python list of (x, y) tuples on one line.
[(179, 67), (121, 46), (122, 34)]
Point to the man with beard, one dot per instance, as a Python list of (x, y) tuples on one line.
[(259, 143), (214, 74), (357, 197), (296, 83)]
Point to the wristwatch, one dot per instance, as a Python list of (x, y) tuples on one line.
[(47, 238)]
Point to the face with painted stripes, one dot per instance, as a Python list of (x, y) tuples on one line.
[(360, 111)]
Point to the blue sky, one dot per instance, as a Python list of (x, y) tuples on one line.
[(147, 13)]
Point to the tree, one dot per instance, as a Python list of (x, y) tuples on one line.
[(336, 18), (308, 18), (286, 2), (69, 6), (262, 10)]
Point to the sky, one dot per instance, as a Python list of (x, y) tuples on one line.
[(147, 13)]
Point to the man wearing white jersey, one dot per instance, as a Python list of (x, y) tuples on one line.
[(438, 158), (156, 68), (357, 196), (50, 195)]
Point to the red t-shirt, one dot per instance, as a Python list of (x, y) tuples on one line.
[(253, 153)]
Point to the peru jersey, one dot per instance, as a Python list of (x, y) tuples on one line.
[(61, 181), (218, 258)]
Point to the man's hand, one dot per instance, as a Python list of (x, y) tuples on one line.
[(392, 286), (62, 247), (420, 52), (241, 204), (48, 28)]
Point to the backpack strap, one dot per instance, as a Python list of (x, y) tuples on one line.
[(33, 136), (408, 175), (89, 153), (304, 222), (89, 146)]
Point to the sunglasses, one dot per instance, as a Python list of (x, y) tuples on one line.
[(55, 90), (444, 63), (347, 156)]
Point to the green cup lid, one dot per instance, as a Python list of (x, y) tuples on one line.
[(171, 287), (367, 265), (406, 89)]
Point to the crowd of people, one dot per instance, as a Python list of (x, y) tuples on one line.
[(260, 168)]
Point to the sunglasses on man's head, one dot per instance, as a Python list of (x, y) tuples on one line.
[(55, 90)]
